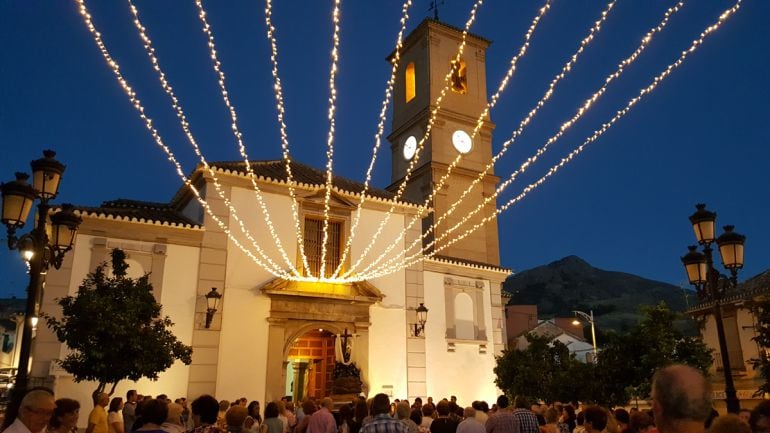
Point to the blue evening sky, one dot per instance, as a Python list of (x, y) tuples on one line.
[(701, 136)]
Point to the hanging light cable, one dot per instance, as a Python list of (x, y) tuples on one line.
[(330, 136)]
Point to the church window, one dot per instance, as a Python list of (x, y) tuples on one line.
[(464, 326), (459, 77), (313, 246), (409, 80), (465, 309)]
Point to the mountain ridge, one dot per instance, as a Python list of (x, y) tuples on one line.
[(571, 283)]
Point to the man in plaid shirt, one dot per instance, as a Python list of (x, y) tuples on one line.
[(382, 422), (503, 420), (525, 418)]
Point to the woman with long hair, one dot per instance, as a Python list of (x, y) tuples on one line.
[(115, 416)]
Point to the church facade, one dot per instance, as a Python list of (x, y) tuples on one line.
[(271, 336)]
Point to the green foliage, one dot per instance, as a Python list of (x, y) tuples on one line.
[(625, 366), (761, 312), (543, 371), (114, 329), (628, 361)]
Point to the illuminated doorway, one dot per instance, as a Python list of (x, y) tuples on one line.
[(310, 365)]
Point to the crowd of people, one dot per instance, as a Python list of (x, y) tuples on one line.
[(681, 403)]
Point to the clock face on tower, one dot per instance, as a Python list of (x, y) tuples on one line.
[(462, 141), (410, 146)]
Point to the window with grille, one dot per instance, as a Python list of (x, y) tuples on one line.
[(313, 243)]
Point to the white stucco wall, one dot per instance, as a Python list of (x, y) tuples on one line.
[(178, 300), (465, 372)]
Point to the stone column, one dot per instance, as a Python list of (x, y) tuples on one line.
[(415, 346)]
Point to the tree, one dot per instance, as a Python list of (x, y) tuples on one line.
[(543, 371), (627, 362), (114, 329), (761, 312)]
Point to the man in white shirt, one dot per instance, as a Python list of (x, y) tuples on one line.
[(34, 413)]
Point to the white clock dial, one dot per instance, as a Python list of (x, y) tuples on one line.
[(462, 141), (410, 147)]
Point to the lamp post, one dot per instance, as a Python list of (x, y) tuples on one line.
[(590, 319), (422, 318), (212, 299), (711, 285), (43, 246)]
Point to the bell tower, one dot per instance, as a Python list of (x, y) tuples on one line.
[(428, 54)]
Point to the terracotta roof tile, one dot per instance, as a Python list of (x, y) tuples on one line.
[(141, 210), (301, 173)]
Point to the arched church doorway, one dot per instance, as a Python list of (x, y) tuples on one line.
[(310, 365)]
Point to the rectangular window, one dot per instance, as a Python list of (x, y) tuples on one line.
[(313, 246), (409, 82)]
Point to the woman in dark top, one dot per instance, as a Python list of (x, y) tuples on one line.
[(443, 424)]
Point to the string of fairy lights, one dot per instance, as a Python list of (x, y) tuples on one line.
[(377, 136), (150, 51), (217, 65), (330, 136), (419, 249), (582, 109), (136, 103), (280, 112), (414, 258)]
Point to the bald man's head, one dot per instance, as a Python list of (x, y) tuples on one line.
[(680, 393)]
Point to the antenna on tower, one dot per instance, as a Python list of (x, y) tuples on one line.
[(434, 4)]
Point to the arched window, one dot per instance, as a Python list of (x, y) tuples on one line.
[(409, 82), (464, 323)]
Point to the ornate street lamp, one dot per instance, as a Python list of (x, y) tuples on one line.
[(590, 319), (212, 299), (39, 249), (422, 317), (711, 284)]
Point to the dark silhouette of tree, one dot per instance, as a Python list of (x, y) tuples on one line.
[(542, 371), (625, 366), (113, 326)]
